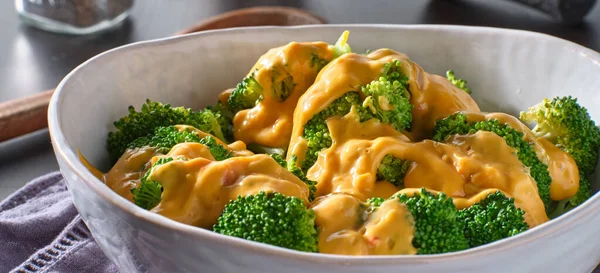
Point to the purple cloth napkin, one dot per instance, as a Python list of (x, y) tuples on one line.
[(41, 232)]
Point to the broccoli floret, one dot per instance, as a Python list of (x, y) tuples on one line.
[(317, 62), (569, 126), (492, 219), (316, 132), (246, 94), (458, 82), (279, 160), (225, 119), (437, 227), (164, 138), (295, 170), (392, 169), (388, 99), (155, 114), (583, 194), (270, 218), (148, 194), (292, 166), (457, 124), (375, 201), (218, 151)]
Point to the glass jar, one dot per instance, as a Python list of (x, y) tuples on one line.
[(73, 16)]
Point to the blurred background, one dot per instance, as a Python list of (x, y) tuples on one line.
[(33, 60)]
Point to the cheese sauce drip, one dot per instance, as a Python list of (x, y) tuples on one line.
[(347, 227), (562, 167), (462, 168), (134, 163), (269, 123), (433, 96), (195, 191)]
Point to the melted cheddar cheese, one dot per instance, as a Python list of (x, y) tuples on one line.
[(269, 123), (465, 167), (345, 227)]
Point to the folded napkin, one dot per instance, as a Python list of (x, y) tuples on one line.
[(41, 232)]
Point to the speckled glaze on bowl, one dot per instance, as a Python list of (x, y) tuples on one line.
[(508, 71)]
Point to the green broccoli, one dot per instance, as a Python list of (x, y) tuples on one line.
[(392, 89), (295, 170), (492, 219), (460, 83), (155, 114), (249, 92), (393, 170), (316, 132), (569, 126), (457, 124), (270, 218), (225, 119), (246, 94), (375, 201), (148, 194), (583, 194), (218, 151), (292, 166), (317, 62), (279, 160), (437, 226), (164, 138)]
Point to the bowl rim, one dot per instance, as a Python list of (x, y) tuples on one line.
[(69, 156)]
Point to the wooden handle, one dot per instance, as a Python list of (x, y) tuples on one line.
[(259, 16), (28, 114), (24, 115)]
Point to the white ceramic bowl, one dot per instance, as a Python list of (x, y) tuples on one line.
[(508, 70)]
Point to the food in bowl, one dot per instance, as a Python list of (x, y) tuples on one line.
[(319, 149)]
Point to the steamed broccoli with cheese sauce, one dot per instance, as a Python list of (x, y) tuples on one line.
[(318, 149), (568, 125), (385, 98), (152, 116), (458, 124), (437, 225)]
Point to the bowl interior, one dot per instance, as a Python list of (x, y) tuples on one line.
[(507, 71)]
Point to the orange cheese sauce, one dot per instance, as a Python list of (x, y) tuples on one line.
[(562, 167), (433, 97), (465, 167), (462, 168), (346, 228), (197, 190), (270, 122)]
